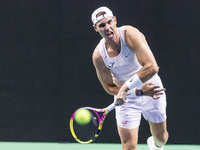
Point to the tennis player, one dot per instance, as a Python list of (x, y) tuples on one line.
[(128, 70)]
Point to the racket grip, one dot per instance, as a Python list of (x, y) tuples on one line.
[(111, 107)]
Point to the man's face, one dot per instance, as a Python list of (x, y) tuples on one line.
[(107, 27)]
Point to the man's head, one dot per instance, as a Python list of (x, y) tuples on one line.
[(101, 13), (105, 23)]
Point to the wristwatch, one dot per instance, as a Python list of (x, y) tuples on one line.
[(139, 92)]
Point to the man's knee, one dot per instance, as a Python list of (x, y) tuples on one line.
[(129, 146), (129, 138), (162, 137)]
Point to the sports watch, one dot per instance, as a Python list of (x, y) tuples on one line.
[(139, 92)]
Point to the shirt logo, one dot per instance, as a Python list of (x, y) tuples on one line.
[(111, 65), (127, 55)]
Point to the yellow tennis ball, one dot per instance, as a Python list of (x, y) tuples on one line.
[(82, 116)]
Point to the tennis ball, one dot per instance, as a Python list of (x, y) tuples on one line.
[(82, 116)]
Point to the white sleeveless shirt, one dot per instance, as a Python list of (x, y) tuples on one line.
[(123, 66)]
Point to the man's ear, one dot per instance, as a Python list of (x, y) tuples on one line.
[(95, 28), (115, 19)]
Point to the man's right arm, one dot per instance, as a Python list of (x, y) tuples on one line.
[(103, 74)]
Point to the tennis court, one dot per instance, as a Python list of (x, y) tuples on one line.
[(77, 146)]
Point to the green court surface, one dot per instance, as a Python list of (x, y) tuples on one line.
[(77, 146)]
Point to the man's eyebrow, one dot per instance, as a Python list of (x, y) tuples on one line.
[(103, 23)]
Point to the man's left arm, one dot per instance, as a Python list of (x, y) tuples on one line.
[(136, 42)]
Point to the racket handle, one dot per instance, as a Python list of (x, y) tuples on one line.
[(111, 107)]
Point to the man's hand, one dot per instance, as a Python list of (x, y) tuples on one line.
[(121, 95), (150, 89)]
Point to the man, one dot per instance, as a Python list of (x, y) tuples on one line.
[(128, 70)]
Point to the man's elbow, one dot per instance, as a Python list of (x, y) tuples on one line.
[(110, 90), (153, 69)]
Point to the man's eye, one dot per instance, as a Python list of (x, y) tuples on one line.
[(109, 22), (101, 25)]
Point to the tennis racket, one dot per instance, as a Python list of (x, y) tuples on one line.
[(88, 133)]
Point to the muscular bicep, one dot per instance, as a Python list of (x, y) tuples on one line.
[(144, 54), (104, 75), (137, 42), (105, 78)]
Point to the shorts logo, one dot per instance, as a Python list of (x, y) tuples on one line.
[(125, 122)]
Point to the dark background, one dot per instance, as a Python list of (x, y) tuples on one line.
[(46, 70)]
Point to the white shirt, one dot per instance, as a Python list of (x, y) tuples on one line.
[(123, 66)]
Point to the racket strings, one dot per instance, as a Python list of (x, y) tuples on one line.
[(87, 132)]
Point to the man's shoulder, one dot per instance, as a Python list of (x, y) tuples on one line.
[(132, 36), (97, 58), (96, 53), (131, 32), (130, 28)]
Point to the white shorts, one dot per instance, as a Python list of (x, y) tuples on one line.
[(128, 115)]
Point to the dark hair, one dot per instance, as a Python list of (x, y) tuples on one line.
[(100, 13)]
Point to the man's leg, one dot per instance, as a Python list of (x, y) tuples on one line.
[(129, 138), (159, 133)]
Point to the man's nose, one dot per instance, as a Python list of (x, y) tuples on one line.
[(107, 26)]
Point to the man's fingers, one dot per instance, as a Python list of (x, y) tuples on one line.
[(156, 87), (158, 93), (150, 84), (155, 97), (159, 90), (120, 102)]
